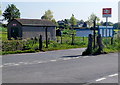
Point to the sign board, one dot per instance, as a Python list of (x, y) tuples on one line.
[(107, 12), (83, 32), (102, 30)]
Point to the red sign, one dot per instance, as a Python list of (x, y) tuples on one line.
[(14, 24), (107, 12)]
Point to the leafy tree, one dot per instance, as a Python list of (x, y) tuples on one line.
[(108, 23), (81, 21), (66, 21), (11, 12), (85, 24), (48, 15), (92, 18), (73, 20), (54, 21)]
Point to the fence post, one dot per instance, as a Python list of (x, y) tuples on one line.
[(90, 40), (72, 39), (111, 40), (61, 39), (83, 39), (40, 43)]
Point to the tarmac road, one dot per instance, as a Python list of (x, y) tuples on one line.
[(63, 66)]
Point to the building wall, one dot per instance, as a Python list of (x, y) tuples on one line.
[(31, 32), (14, 23)]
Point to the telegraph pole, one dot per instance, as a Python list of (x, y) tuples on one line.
[(94, 33)]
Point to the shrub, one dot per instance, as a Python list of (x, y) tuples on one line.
[(12, 45)]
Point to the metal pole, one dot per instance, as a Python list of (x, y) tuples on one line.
[(46, 37), (106, 25)]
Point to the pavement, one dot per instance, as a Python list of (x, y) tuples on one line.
[(61, 66)]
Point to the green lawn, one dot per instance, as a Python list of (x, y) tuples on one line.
[(3, 35)]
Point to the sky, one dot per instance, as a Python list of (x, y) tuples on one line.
[(62, 9)]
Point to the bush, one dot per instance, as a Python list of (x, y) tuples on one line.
[(12, 45), (3, 29)]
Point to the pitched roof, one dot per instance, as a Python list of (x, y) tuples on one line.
[(35, 22)]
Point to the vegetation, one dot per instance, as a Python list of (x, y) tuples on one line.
[(21, 46), (28, 45), (11, 12), (48, 15), (91, 19), (111, 47), (3, 29), (73, 20)]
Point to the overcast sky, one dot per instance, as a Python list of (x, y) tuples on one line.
[(62, 9)]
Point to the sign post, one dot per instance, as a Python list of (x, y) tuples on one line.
[(107, 13)]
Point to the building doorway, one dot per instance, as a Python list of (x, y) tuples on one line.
[(14, 32)]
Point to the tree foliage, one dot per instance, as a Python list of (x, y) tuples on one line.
[(48, 15), (73, 20), (92, 18), (11, 12)]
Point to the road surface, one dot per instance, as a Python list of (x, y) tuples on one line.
[(63, 66)]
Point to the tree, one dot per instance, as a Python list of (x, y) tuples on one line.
[(92, 18), (73, 20), (48, 15), (11, 12), (54, 21)]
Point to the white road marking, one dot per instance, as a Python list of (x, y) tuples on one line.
[(67, 58), (21, 62), (86, 56), (100, 79), (1, 66), (39, 62), (25, 63), (75, 57), (16, 64), (8, 64), (53, 60), (116, 74)]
